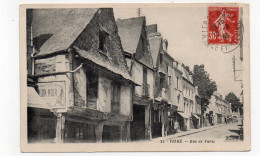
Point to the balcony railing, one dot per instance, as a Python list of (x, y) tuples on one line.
[(146, 88)]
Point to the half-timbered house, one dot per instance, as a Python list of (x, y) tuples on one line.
[(82, 76)]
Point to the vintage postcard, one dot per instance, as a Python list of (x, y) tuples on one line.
[(135, 77)]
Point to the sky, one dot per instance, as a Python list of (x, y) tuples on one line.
[(182, 27)]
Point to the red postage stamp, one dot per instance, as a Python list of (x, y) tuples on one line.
[(223, 25)]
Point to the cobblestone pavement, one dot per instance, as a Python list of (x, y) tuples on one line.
[(224, 132)]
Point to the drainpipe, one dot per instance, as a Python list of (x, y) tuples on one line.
[(33, 52)]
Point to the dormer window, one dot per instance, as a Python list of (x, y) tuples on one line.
[(102, 40), (161, 58)]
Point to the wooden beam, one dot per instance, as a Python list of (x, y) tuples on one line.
[(60, 125), (128, 136), (99, 132), (86, 113), (147, 122)]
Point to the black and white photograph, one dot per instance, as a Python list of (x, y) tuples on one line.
[(138, 78)]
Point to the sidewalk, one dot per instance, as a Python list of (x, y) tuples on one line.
[(184, 133)]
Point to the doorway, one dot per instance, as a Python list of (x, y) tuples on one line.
[(111, 133), (138, 124)]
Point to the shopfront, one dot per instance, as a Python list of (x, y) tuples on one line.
[(196, 121), (40, 119), (183, 120)]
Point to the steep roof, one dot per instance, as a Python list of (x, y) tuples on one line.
[(103, 61), (155, 47), (61, 26), (129, 31), (186, 75)]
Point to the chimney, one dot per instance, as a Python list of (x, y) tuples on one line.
[(190, 77), (139, 12), (151, 28)]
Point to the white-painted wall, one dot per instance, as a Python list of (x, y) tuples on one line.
[(125, 100), (104, 94), (137, 74)]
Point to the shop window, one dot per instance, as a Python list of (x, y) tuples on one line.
[(79, 132), (156, 116), (115, 99)]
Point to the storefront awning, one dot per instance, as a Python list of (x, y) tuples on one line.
[(173, 108), (196, 116), (183, 115), (34, 100)]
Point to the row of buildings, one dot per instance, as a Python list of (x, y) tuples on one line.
[(219, 111), (92, 78)]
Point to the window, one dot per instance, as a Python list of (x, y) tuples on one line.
[(102, 40), (177, 82), (145, 85), (169, 80), (115, 99), (144, 75), (161, 58), (162, 81), (92, 89), (178, 99)]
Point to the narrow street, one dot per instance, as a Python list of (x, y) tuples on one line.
[(221, 133), (229, 132)]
